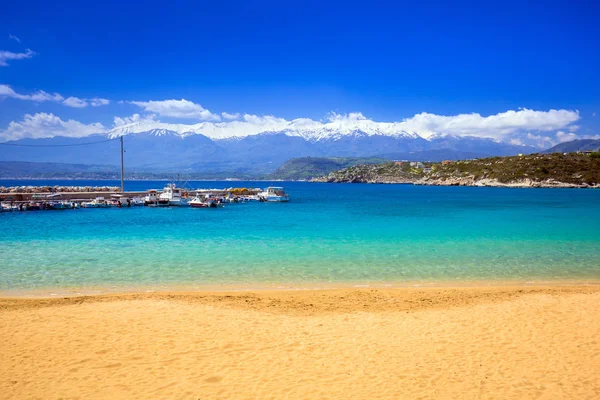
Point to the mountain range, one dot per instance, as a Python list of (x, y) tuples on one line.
[(575, 145), (176, 150)]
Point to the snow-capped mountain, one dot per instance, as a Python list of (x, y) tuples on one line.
[(307, 129), (207, 147)]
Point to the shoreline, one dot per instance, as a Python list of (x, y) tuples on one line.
[(316, 301), (99, 290)]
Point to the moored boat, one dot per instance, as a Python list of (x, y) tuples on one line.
[(136, 201), (172, 196), (119, 200), (98, 202), (274, 194), (151, 199), (206, 201)]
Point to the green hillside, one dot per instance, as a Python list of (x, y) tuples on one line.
[(533, 170), (310, 167)]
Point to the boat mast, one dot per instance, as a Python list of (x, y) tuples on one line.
[(122, 168)]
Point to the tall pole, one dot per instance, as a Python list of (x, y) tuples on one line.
[(122, 168)]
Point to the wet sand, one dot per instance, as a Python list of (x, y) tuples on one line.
[(468, 343)]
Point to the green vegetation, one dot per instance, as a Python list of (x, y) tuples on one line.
[(556, 169), (569, 168), (390, 172), (310, 167)]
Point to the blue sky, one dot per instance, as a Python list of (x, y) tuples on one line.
[(388, 61)]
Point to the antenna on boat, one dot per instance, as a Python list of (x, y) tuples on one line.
[(122, 167)]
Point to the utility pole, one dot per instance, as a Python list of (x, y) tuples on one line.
[(122, 168)]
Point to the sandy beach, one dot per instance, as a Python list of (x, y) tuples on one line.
[(468, 343)]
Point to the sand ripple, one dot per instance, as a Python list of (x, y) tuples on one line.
[(468, 344)]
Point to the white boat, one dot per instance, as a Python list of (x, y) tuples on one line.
[(136, 201), (119, 200), (172, 196), (206, 201), (151, 199), (199, 202), (9, 206), (54, 201), (274, 194), (59, 205), (98, 202)]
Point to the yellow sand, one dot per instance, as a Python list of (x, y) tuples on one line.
[(500, 343)]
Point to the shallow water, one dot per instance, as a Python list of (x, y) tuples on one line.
[(327, 234)]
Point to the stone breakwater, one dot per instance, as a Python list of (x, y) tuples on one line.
[(58, 189)]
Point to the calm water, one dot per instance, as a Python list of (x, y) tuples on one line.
[(329, 234)]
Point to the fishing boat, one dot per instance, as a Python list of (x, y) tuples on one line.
[(274, 194), (199, 202), (151, 199), (172, 196), (136, 201), (55, 202), (118, 200), (9, 206), (98, 202), (206, 201)]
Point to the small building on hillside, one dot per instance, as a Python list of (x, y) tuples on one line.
[(447, 162), (417, 164)]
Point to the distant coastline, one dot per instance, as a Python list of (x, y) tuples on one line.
[(573, 170)]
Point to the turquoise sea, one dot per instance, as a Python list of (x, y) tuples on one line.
[(328, 235)]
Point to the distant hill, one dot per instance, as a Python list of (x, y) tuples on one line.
[(575, 145), (311, 167), (23, 169), (48, 170), (534, 170)]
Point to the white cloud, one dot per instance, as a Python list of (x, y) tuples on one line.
[(97, 102), (537, 128), (230, 116), (353, 116), (135, 118), (6, 56), (75, 102), (265, 120), (13, 37), (43, 125), (41, 96), (177, 109), (566, 137), (516, 142), (496, 126), (520, 127)]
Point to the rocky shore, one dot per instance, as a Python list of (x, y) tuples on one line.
[(525, 183)]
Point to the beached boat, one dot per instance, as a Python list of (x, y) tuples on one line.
[(274, 194), (172, 196)]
